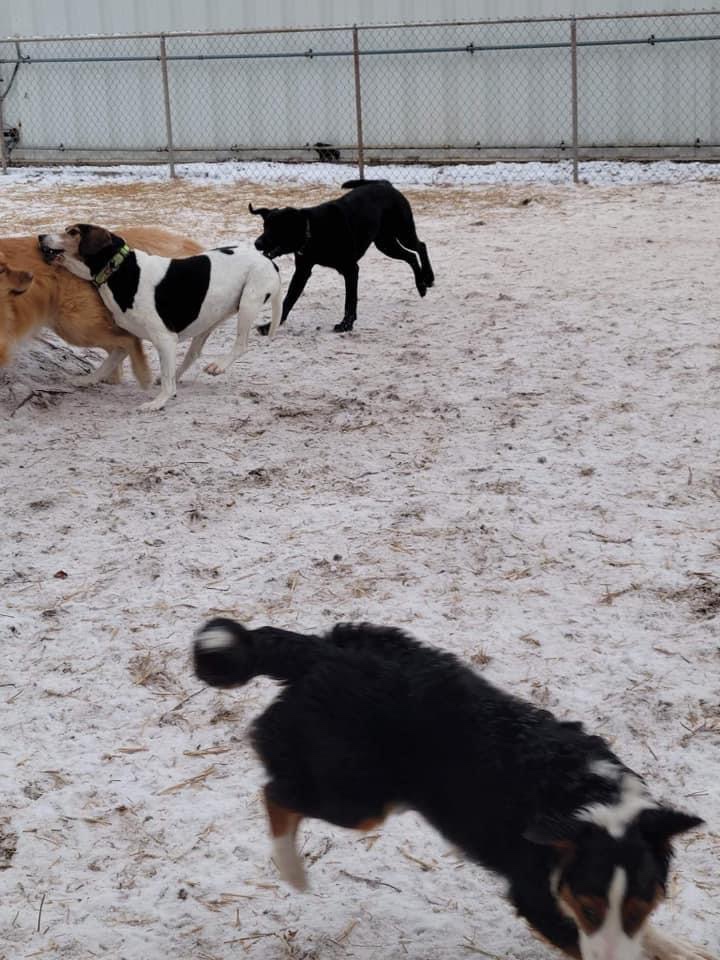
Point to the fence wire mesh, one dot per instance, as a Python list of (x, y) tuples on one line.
[(650, 83), (467, 94)]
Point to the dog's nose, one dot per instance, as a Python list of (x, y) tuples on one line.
[(259, 243), (25, 276), (41, 237)]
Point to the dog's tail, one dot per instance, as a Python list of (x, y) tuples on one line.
[(226, 654), (351, 184)]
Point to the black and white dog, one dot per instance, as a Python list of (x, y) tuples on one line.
[(371, 721), (338, 233), (165, 300)]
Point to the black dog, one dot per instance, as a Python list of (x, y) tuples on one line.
[(338, 233), (371, 721)]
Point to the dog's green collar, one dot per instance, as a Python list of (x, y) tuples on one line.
[(111, 266)]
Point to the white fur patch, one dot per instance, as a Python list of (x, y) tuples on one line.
[(216, 638), (288, 861), (610, 942), (616, 817), (606, 769)]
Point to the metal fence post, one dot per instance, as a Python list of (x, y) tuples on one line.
[(358, 104), (573, 70), (3, 151), (168, 116)]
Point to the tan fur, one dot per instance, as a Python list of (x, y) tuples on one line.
[(71, 306)]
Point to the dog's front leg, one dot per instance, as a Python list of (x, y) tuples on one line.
[(661, 946), (350, 274), (303, 269), (166, 345)]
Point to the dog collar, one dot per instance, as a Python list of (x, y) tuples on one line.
[(111, 266)]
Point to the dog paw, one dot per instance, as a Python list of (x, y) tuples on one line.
[(289, 863), (344, 326), (153, 405), (87, 380), (214, 369), (421, 289), (298, 881)]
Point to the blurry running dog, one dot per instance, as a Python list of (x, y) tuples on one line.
[(338, 233), (165, 300), (370, 721), (72, 309)]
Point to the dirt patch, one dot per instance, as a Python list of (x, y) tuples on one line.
[(702, 596)]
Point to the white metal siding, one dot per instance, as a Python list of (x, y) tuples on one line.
[(59, 17), (510, 98)]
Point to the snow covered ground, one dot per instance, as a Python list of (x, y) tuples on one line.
[(595, 172), (523, 468)]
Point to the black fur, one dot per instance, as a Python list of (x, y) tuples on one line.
[(337, 234), (181, 293), (371, 719), (124, 281)]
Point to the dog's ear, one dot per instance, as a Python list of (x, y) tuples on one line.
[(661, 824), (93, 239), (258, 211)]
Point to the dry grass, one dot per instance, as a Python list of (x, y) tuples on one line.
[(194, 205), (702, 596)]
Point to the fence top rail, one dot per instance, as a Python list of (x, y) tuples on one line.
[(359, 26)]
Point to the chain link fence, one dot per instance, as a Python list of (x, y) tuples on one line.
[(468, 94)]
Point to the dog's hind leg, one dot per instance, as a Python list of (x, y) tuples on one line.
[(105, 371), (166, 345), (244, 323), (284, 824), (392, 247), (427, 269), (193, 352), (402, 229)]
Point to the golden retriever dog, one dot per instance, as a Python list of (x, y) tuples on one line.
[(71, 307), (13, 282)]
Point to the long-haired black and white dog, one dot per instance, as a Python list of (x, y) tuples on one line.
[(371, 720)]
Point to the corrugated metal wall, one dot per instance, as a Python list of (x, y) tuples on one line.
[(57, 17), (449, 92)]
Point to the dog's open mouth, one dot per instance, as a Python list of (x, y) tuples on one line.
[(50, 255)]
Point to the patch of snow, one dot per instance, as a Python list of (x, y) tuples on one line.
[(596, 173)]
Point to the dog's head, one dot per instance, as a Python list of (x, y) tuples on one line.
[(13, 283), (82, 247), (284, 230), (611, 872)]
